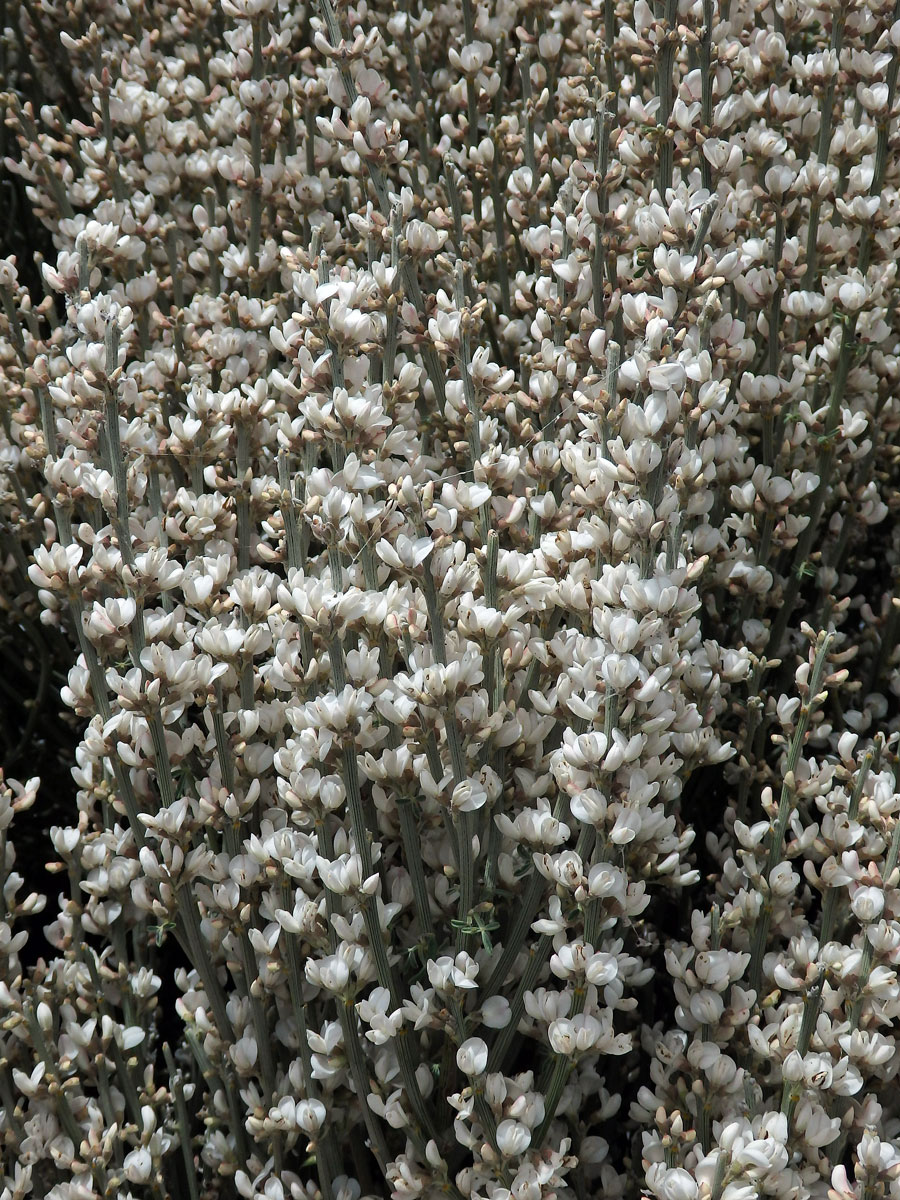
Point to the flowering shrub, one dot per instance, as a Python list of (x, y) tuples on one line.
[(456, 450)]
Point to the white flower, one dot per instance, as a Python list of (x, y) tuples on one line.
[(576, 1035), (513, 1138), (663, 376), (495, 1012), (405, 554), (472, 1056), (867, 903), (468, 796), (673, 267), (138, 1165), (310, 1115), (423, 238), (244, 1053), (446, 973), (346, 877), (852, 296), (601, 969), (331, 973), (672, 1183), (375, 1012)]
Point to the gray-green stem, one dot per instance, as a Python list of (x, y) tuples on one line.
[(775, 843)]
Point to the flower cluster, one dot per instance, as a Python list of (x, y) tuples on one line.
[(455, 450)]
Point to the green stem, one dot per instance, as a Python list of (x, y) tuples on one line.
[(412, 854), (242, 460), (328, 1159), (811, 1007), (776, 839), (192, 941), (356, 1061), (829, 907), (184, 1126), (525, 912), (823, 145), (824, 468), (212, 1076), (538, 953), (664, 91), (430, 357), (706, 88)]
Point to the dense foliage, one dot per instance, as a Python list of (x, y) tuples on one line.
[(450, 465)]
